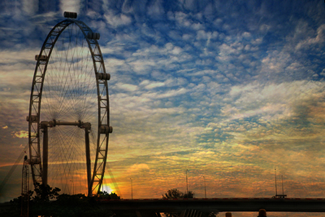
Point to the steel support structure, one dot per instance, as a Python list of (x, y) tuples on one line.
[(33, 118), (87, 126), (45, 153), (88, 161), (25, 189)]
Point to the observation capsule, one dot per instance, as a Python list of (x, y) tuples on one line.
[(104, 76), (41, 58), (32, 118), (92, 35), (71, 15), (104, 129)]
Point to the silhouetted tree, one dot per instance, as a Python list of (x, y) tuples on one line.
[(67, 199), (105, 195), (189, 194), (45, 193), (175, 193)]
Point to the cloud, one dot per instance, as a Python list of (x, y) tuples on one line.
[(150, 85), (117, 20), (21, 56), (127, 87), (30, 7), (137, 167), (71, 5), (320, 38), (155, 9), (170, 93)]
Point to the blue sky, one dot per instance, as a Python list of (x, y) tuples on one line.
[(229, 90)]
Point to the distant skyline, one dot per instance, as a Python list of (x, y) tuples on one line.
[(228, 90)]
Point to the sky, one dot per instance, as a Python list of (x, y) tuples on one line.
[(229, 90)]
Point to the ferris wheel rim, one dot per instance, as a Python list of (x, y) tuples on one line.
[(33, 118)]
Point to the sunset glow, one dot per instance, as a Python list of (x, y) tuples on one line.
[(230, 91)]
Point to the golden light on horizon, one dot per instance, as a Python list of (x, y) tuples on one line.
[(108, 189)]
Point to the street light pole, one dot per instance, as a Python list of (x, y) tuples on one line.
[(186, 182), (205, 188), (131, 189)]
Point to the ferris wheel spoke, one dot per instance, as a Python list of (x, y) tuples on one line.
[(68, 165)]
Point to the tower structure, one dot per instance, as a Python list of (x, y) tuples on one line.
[(276, 189), (25, 189)]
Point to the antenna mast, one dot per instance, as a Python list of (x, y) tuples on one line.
[(276, 190), (276, 187), (282, 185)]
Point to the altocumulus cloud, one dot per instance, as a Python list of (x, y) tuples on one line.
[(228, 90), (137, 167)]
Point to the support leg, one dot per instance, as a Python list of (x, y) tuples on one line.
[(88, 162), (45, 154)]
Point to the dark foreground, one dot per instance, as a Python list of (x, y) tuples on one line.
[(151, 207)]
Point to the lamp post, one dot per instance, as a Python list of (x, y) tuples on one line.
[(205, 188), (186, 182), (131, 189)]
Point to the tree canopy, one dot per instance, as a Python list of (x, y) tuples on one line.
[(45, 193), (175, 193), (105, 195), (46, 201)]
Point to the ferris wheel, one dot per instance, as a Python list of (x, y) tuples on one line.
[(69, 110)]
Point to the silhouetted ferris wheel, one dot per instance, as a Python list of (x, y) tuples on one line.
[(69, 110)]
